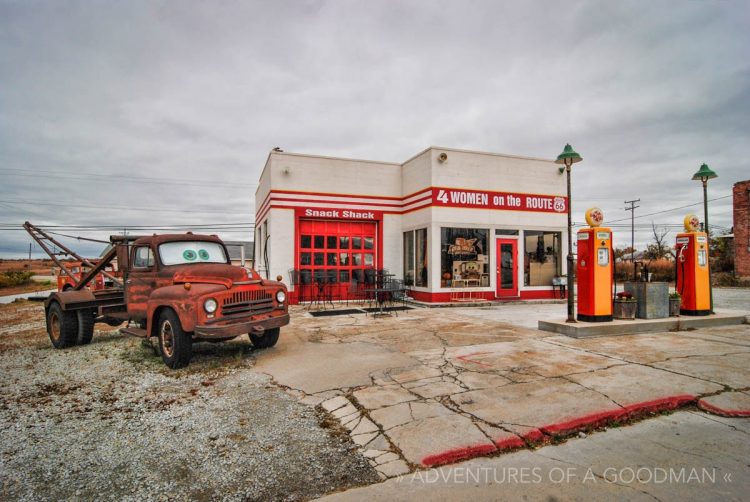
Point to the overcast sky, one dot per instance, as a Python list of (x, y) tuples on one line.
[(102, 103)]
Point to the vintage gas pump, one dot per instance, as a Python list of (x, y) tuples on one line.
[(693, 285), (595, 269)]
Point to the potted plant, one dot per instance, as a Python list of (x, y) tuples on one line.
[(625, 306), (674, 304)]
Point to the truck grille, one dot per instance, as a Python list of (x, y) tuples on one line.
[(247, 302)]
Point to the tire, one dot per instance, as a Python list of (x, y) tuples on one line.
[(266, 340), (62, 327), (175, 345), (85, 327)]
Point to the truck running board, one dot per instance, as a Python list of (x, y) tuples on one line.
[(139, 332)]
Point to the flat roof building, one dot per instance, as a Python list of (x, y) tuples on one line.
[(453, 224)]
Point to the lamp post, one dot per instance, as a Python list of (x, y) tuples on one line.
[(567, 158), (703, 175)]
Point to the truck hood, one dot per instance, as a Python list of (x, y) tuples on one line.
[(212, 273)]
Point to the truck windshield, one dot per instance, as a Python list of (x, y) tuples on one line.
[(178, 253)]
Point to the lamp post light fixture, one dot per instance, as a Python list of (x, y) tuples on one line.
[(567, 158), (703, 175)]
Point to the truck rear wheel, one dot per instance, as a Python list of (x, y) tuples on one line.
[(175, 345), (266, 340), (85, 327), (62, 327)]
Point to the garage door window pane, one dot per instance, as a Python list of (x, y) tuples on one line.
[(332, 242), (369, 242), (344, 258), (306, 241), (331, 260), (357, 259), (356, 242), (344, 242), (319, 258), (319, 242), (305, 259), (369, 261)]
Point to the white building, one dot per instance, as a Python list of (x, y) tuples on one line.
[(453, 224)]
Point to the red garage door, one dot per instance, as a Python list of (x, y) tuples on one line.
[(340, 251)]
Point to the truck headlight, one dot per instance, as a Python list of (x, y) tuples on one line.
[(210, 305), (280, 296)]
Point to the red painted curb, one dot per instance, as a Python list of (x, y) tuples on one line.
[(705, 406), (510, 443), (592, 420), (450, 456), (585, 422), (534, 436), (662, 404), (630, 411)]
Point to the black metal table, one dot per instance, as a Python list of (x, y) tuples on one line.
[(382, 295)]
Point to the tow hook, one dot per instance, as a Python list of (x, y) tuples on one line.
[(258, 330)]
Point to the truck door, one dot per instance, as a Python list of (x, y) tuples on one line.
[(141, 281)]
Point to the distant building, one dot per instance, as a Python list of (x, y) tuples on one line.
[(741, 204), (236, 248)]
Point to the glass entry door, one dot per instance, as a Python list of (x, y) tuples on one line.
[(507, 267)]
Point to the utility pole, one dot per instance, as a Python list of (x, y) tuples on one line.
[(29, 252), (632, 230)]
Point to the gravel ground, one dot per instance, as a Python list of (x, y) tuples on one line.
[(109, 421)]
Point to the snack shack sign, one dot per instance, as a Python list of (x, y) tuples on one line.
[(481, 199)]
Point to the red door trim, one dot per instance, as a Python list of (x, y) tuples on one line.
[(499, 291)]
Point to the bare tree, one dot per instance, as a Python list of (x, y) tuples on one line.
[(659, 249)]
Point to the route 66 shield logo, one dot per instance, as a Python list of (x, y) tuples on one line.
[(559, 204)]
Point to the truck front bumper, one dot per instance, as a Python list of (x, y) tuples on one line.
[(232, 329)]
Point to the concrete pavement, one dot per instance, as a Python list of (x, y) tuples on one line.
[(682, 456), (435, 386)]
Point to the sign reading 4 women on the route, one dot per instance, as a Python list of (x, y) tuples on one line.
[(482, 199)]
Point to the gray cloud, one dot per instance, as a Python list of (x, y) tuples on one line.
[(203, 90)]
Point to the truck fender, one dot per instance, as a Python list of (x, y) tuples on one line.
[(183, 301), (69, 299)]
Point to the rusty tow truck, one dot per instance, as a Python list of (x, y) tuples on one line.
[(179, 288)]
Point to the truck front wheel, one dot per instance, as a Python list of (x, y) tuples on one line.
[(266, 340), (62, 326), (175, 345)]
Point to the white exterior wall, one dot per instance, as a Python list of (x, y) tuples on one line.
[(289, 171), (280, 243)]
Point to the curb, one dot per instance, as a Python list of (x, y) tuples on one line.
[(544, 434), (710, 408)]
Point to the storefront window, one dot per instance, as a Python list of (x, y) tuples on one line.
[(542, 257), (415, 257), (464, 260), (409, 258)]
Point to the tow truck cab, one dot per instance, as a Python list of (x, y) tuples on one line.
[(183, 287)]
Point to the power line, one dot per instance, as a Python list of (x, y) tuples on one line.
[(110, 207), (672, 209), (87, 176)]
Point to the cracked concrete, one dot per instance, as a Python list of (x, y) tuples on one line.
[(597, 467), (432, 386)]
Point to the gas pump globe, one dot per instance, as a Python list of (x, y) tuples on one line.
[(691, 250), (595, 269)]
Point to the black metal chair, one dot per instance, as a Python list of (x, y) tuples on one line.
[(398, 292), (355, 292), (319, 288), (332, 280), (306, 287)]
